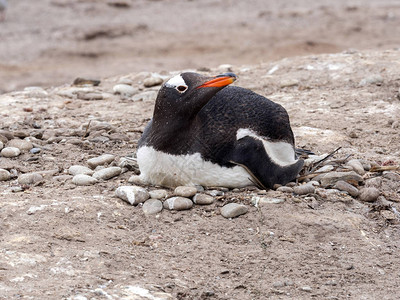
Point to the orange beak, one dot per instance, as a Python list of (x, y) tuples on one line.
[(220, 81)]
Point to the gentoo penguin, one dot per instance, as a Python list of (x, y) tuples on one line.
[(204, 132)]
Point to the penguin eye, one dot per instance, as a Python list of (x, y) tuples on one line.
[(181, 88)]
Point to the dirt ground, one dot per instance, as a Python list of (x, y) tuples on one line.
[(61, 241)]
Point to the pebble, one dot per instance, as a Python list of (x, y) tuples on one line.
[(35, 150), (3, 139), (107, 173), (373, 182), (82, 179), (7, 134), (100, 160), (306, 289), (215, 193), (178, 203), (125, 90), (373, 79), (369, 194), (145, 96), (203, 199), (152, 81), (260, 201), (1, 145), (285, 189), (152, 206), (289, 83), (233, 210), (136, 179), (132, 194), (30, 178), (158, 194), (225, 68), (325, 169), (35, 92), (357, 166), (304, 189), (331, 178), (10, 152), (347, 187), (89, 96), (185, 191), (391, 176), (4, 175), (76, 169)]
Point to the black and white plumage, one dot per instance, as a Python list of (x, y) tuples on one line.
[(204, 132)]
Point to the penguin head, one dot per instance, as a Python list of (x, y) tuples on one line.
[(186, 93)]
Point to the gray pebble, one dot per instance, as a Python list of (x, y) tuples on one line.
[(145, 96), (185, 191), (4, 175), (304, 189), (89, 96), (178, 203), (347, 187), (232, 210), (158, 194), (30, 178), (203, 199), (369, 194), (325, 169), (82, 179), (10, 152), (357, 166), (366, 164), (107, 173), (331, 178), (100, 160), (372, 79), (20, 144), (199, 188), (152, 206), (1, 145), (132, 194), (260, 201), (285, 189), (373, 182), (152, 81), (306, 289), (125, 90), (289, 83), (7, 134), (136, 179), (215, 193), (76, 169), (35, 150), (391, 176)]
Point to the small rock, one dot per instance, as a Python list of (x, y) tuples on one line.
[(136, 179), (158, 194), (100, 160), (260, 201), (373, 182), (357, 166), (34, 209), (232, 210), (1, 145), (215, 193), (82, 179), (325, 169), (331, 178), (369, 194), (373, 79), (145, 96), (178, 203), (7, 134), (89, 96), (289, 83), (304, 189), (107, 173), (347, 187), (125, 90), (225, 68), (203, 199), (10, 152), (391, 176), (29, 178), (152, 81), (306, 289), (86, 82), (285, 189), (76, 169), (35, 150), (366, 164), (185, 191), (35, 92), (132, 194), (4, 175), (152, 206)]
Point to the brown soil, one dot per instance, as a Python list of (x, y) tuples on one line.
[(83, 242)]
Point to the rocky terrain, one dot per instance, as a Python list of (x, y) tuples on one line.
[(76, 224)]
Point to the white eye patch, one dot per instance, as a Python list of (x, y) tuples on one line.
[(177, 82)]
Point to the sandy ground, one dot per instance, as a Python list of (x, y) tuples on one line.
[(60, 241)]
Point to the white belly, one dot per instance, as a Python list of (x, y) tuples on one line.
[(159, 168)]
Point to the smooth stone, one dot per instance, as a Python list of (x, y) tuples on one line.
[(289, 83), (285, 189), (136, 179), (1, 145), (347, 187), (203, 199), (261, 201), (132, 194), (145, 96), (89, 96), (373, 182), (158, 194), (152, 81), (76, 169), (225, 68), (125, 90), (100, 160), (152, 206), (35, 150), (391, 176), (30, 178), (357, 166), (366, 164), (178, 203), (83, 179), (107, 173), (10, 152), (325, 169), (4, 175), (7, 134), (215, 193), (185, 191), (369, 194), (333, 177), (304, 189), (233, 210), (373, 79)]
